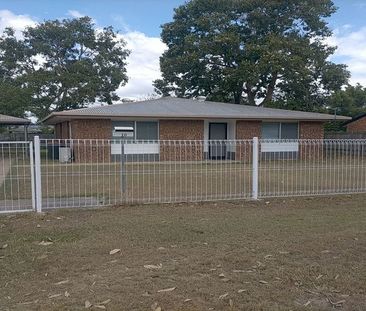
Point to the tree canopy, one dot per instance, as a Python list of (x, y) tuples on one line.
[(267, 52), (349, 102), (60, 65)]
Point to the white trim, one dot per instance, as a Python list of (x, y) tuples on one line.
[(134, 148), (279, 147)]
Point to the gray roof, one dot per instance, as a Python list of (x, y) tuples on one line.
[(9, 120), (179, 108)]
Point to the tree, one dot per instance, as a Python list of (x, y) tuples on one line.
[(68, 64), (349, 102), (252, 51), (14, 99)]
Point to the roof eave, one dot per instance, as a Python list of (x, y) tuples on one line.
[(55, 118)]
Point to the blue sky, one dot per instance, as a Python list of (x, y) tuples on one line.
[(139, 22)]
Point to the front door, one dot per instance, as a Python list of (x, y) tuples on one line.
[(217, 143)]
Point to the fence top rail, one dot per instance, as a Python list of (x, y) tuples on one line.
[(145, 141), (14, 142), (231, 141)]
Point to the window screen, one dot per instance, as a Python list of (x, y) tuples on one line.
[(147, 131), (289, 131), (270, 130)]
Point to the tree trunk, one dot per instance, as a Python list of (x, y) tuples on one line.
[(237, 96), (250, 94), (270, 90)]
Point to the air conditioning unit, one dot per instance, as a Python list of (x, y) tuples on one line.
[(65, 154)]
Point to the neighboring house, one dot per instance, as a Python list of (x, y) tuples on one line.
[(357, 124), (6, 121), (170, 118)]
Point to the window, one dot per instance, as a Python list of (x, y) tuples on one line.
[(289, 131), (135, 130), (147, 130), (276, 130), (271, 130)]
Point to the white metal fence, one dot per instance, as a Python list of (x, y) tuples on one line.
[(312, 167), (104, 172), (16, 177), (89, 173)]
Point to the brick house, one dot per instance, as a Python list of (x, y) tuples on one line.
[(357, 124), (146, 123)]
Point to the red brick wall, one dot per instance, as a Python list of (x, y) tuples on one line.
[(246, 130), (358, 126), (91, 129), (62, 130), (311, 130), (181, 130), (97, 147)]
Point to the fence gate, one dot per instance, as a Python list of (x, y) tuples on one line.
[(16, 177)]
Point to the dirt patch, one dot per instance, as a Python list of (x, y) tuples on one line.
[(283, 254)]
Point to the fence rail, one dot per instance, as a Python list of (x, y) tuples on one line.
[(89, 173)]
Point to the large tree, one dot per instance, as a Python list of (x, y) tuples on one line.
[(66, 64), (14, 99), (250, 51), (349, 102)]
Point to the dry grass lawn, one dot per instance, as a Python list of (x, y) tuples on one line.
[(282, 254)]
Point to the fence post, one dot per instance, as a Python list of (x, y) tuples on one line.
[(255, 168), (31, 160), (37, 172), (123, 168)]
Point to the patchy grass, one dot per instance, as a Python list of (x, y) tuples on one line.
[(292, 254), (113, 183)]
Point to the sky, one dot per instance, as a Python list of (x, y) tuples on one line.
[(139, 23)]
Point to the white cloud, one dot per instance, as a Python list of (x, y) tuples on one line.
[(75, 13), (351, 51), (143, 64), (17, 22)]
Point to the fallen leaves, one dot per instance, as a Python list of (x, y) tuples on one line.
[(307, 303), (263, 282), (100, 305), (337, 304), (114, 251), (153, 267), (221, 297), (45, 243), (155, 307), (4, 246), (319, 277), (165, 290), (54, 296), (62, 282)]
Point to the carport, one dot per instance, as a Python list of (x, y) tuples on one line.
[(10, 120)]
